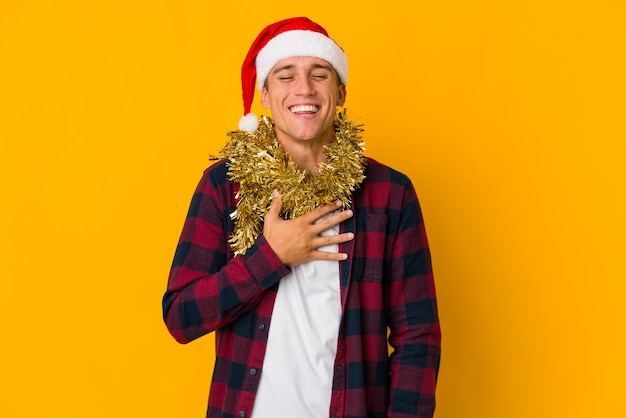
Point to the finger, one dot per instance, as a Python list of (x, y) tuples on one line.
[(333, 239), (325, 255), (332, 221), (322, 211), (277, 204)]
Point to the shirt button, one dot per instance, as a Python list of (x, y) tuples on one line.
[(252, 372), (242, 414), (262, 327)]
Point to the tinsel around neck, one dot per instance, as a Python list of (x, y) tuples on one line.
[(260, 165)]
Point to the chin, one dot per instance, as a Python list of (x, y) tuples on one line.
[(304, 135)]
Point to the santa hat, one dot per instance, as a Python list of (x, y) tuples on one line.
[(295, 37)]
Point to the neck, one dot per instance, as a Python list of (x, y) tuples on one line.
[(307, 155)]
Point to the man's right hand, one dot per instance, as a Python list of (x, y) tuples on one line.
[(296, 241)]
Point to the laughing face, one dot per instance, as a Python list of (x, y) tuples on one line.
[(303, 93)]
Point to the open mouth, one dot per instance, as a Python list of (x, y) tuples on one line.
[(304, 109)]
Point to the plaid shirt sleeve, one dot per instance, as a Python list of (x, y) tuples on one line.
[(412, 314), (207, 288)]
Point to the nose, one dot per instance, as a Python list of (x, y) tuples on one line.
[(304, 87)]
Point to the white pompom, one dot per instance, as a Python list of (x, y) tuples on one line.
[(249, 123)]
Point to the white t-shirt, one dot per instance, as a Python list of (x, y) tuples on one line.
[(297, 375)]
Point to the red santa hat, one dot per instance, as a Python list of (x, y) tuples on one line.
[(295, 37)]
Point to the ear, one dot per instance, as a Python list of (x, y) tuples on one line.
[(265, 100), (341, 98)]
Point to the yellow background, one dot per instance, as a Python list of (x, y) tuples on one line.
[(508, 116)]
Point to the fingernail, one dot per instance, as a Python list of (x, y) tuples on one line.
[(349, 213)]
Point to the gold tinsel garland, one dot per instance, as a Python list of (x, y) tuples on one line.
[(260, 165)]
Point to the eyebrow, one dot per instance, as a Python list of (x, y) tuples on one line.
[(284, 67), (326, 67)]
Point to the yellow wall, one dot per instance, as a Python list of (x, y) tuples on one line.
[(508, 116)]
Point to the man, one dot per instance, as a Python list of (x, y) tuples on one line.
[(306, 258)]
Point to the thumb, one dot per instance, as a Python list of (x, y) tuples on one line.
[(277, 204)]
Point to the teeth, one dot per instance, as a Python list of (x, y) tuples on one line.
[(303, 108)]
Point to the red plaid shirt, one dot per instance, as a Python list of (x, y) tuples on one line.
[(386, 285)]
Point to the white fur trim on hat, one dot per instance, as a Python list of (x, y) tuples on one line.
[(300, 43)]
